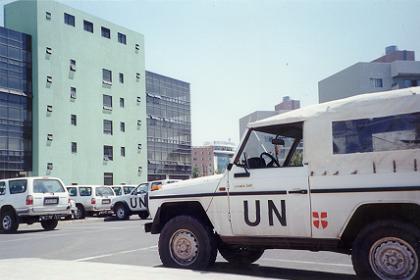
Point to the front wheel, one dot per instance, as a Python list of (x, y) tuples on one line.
[(387, 250), (186, 242), (49, 224), (240, 255)]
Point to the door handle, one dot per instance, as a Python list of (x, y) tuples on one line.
[(298, 191)]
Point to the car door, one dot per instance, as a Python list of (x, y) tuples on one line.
[(137, 198), (266, 199)]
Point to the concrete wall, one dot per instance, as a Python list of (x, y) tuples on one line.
[(354, 80), (92, 53)]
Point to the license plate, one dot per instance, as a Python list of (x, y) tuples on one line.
[(106, 201), (50, 200)]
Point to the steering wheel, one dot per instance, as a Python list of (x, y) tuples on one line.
[(273, 159)]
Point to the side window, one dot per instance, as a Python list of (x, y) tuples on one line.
[(268, 147), (2, 188), (72, 191), (85, 191), (400, 132), (17, 186)]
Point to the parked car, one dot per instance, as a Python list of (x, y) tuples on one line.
[(136, 202), (123, 189), (30, 200), (91, 200)]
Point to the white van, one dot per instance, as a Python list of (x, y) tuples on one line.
[(91, 200), (30, 200)]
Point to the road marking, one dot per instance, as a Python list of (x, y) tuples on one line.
[(115, 253), (35, 237), (306, 262)]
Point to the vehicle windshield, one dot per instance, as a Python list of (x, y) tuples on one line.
[(128, 189), (48, 186), (104, 191), (274, 147), (117, 190)]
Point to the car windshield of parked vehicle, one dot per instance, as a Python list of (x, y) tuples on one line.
[(48, 186), (104, 191), (118, 191), (128, 189)]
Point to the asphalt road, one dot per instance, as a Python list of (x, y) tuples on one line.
[(125, 242)]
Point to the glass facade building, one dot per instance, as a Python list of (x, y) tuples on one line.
[(168, 127), (15, 104)]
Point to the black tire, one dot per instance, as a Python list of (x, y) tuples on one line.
[(143, 215), (187, 232), (121, 212), (240, 255), (387, 250), (49, 224), (8, 222), (80, 213)]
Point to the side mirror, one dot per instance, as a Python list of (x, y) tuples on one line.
[(277, 141), (229, 166)]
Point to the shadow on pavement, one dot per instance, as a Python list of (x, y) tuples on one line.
[(280, 273)]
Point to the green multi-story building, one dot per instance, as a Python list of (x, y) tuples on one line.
[(89, 105)]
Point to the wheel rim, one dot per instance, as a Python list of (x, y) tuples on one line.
[(120, 212), (7, 222), (393, 258), (183, 247)]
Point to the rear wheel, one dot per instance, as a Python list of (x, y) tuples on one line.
[(387, 250), (80, 213), (240, 255), (49, 224), (143, 215), (121, 211), (9, 222), (186, 242)]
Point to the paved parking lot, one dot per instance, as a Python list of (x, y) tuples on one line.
[(125, 242)]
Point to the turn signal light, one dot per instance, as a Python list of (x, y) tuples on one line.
[(93, 201), (29, 200)]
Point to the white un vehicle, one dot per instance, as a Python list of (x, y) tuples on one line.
[(342, 176), (136, 202), (30, 200)]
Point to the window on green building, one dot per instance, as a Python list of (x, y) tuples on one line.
[(69, 19), (88, 26)]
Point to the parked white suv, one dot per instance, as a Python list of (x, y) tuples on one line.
[(342, 176), (136, 202), (91, 200), (30, 200)]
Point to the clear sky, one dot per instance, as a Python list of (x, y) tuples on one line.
[(243, 56)]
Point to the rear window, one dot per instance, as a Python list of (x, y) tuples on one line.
[(104, 191), (85, 191), (72, 191), (117, 190), (128, 190), (17, 186), (48, 186)]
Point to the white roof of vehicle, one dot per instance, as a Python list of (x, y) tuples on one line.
[(354, 107)]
